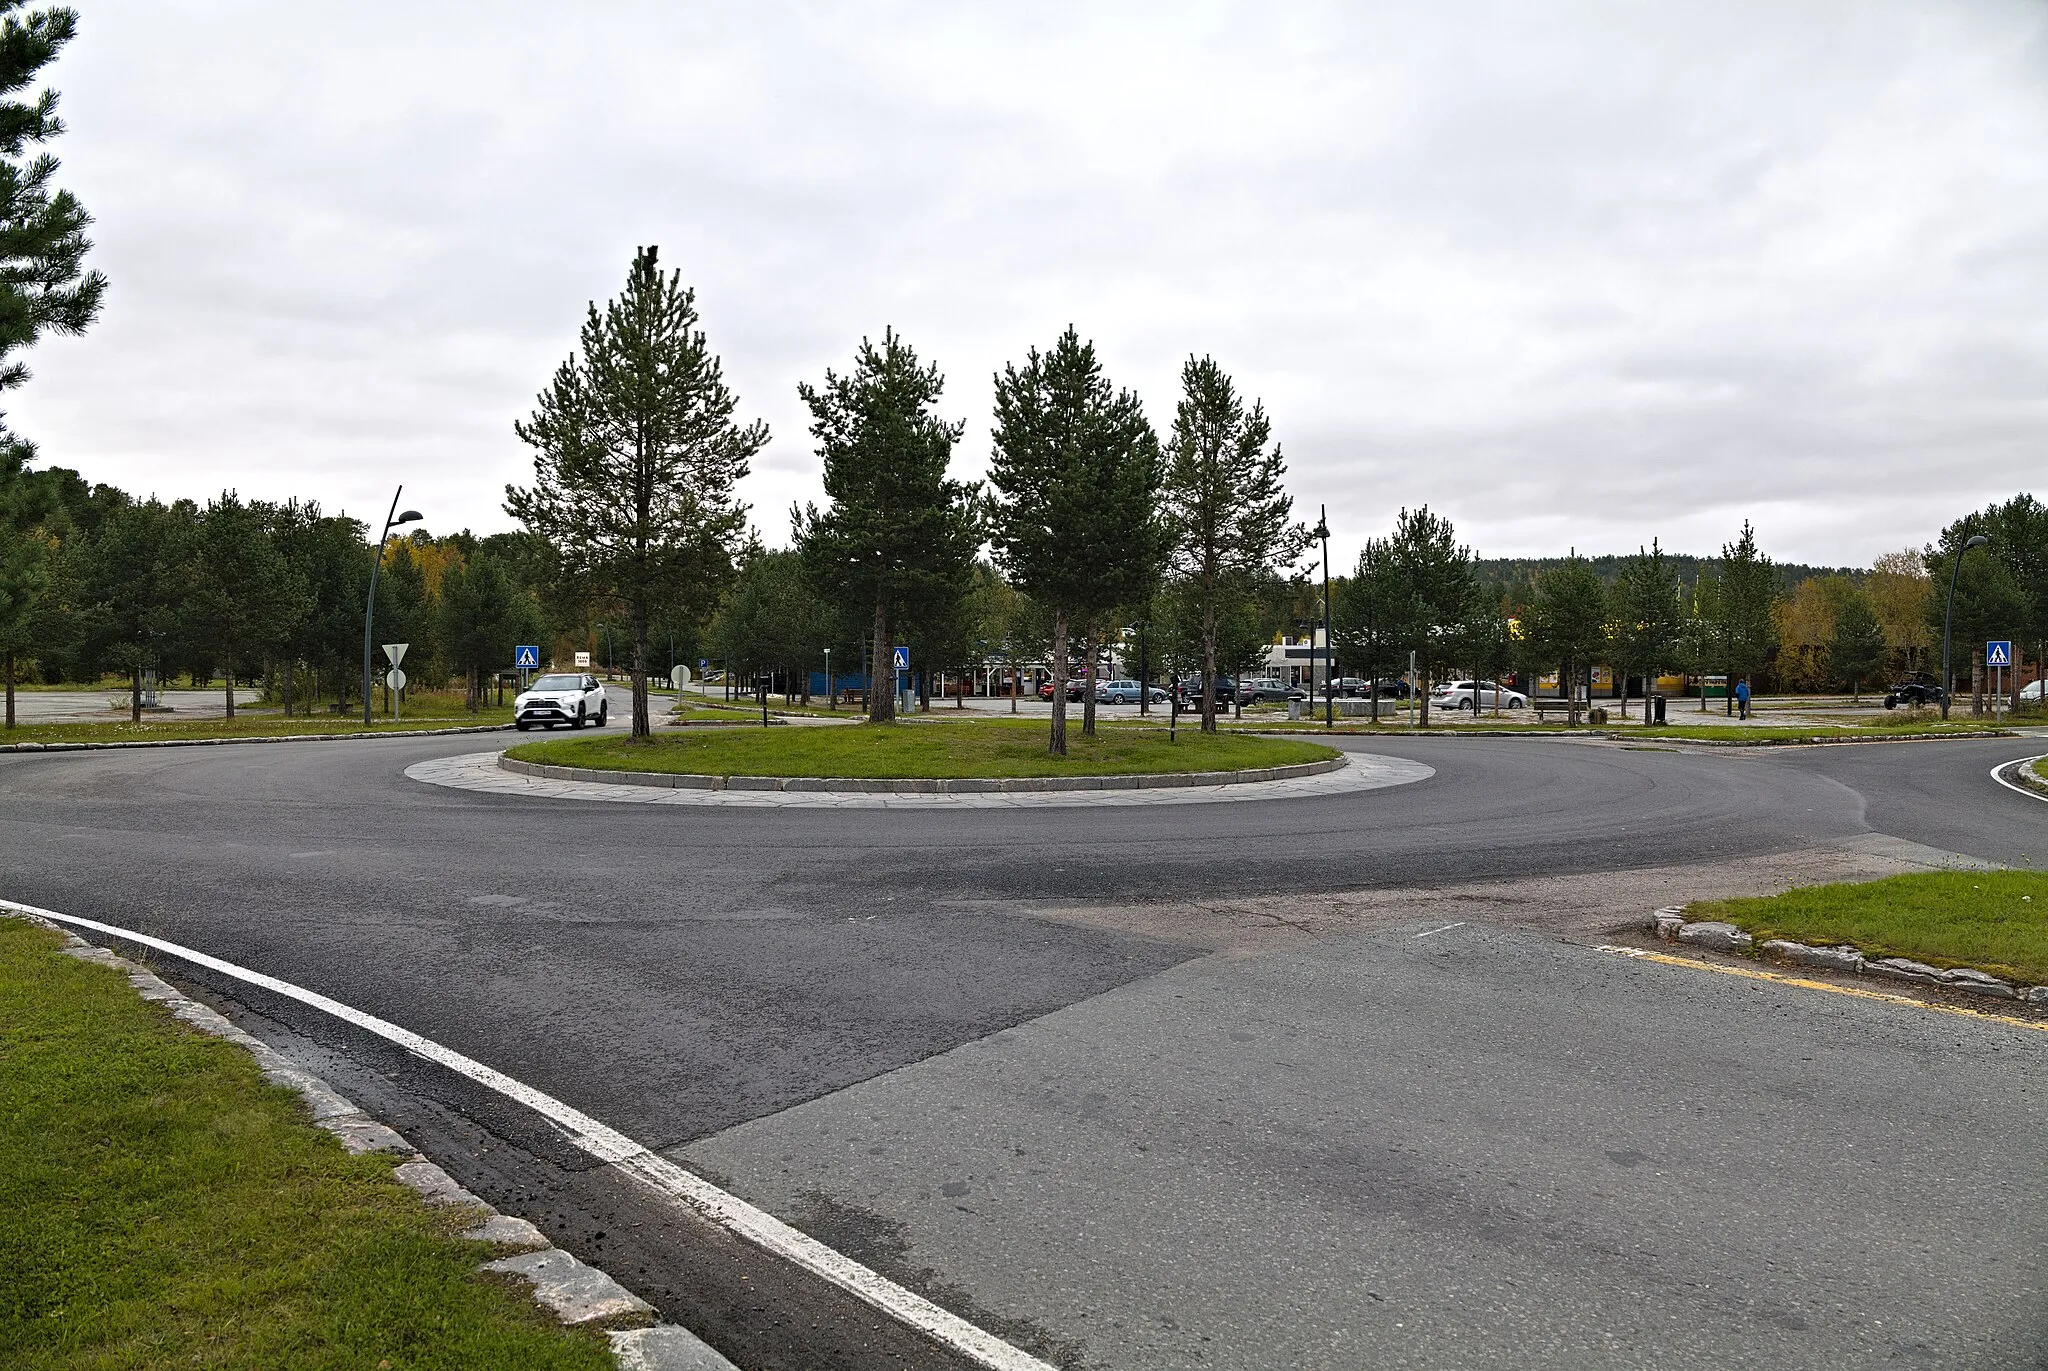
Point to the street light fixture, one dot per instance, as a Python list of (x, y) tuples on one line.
[(1948, 619), (391, 520)]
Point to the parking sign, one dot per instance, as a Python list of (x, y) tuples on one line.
[(526, 657), (1998, 652)]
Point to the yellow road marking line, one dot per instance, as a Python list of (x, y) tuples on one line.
[(1644, 954)]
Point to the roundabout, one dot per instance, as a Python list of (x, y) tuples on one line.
[(494, 773)]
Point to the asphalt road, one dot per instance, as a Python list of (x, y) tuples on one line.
[(1425, 1175)]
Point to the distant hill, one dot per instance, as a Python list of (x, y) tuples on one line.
[(1506, 571)]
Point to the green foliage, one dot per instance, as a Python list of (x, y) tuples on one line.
[(1745, 590), (1646, 613), (636, 460), (1858, 647), (1076, 473), (773, 619), (44, 287), (482, 616), (1434, 575), (243, 599), (1567, 624), (1225, 510), (898, 539), (1369, 614)]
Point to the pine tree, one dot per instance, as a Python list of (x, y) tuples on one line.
[(136, 585), (244, 596), (1226, 512), (482, 616), (1646, 614), (636, 460), (1076, 473), (1746, 590), (1369, 615), (1434, 572), (1858, 645), (898, 537), (1568, 624), (44, 287)]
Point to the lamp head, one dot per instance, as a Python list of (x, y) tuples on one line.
[(410, 516), (1977, 540)]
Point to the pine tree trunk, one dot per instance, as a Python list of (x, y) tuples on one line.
[(1209, 660), (10, 687), (288, 664), (1088, 687), (881, 703), (1058, 744), (642, 726), (1422, 688), (1016, 687), (228, 671), (135, 695)]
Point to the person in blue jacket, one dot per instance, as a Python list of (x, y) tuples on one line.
[(1742, 697)]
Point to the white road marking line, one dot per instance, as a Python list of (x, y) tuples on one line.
[(2018, 789), (1445, 929), (632, 1159)]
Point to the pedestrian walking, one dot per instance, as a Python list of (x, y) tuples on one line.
[(1742, 697)]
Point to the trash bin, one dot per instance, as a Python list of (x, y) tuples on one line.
[(1657, 709), (1294, 709)]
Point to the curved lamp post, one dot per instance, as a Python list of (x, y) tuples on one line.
[(1948, 619), (1322, 531), (370, 606)]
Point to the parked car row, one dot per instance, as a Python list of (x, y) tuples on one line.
[(1106, 692)]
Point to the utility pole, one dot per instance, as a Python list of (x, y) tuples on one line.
[(1329, 648)]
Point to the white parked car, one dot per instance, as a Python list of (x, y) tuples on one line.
[(1459, 694), (1125, 693), (568, 698)]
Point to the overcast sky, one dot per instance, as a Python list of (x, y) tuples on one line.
[(1572, 275)]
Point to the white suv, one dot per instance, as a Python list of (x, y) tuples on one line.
[(1458, 695), (561, 698)]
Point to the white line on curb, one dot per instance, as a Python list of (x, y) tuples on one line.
[(2018, 789), (615, 1148), (1445, 929)]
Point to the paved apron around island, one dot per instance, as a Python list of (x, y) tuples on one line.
[(480, 771)]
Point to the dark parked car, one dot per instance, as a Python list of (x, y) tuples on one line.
[(1915, 692), (1265, 689), (1189, 691), (1391, 688)]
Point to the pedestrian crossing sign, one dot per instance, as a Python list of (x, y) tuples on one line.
[(526, 657), (903, 659), (1998, 653)]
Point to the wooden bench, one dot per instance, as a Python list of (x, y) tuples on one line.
[(1543, 707)]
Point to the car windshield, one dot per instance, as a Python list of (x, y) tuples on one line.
[(558, 683)]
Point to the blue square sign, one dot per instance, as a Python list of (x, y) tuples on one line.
[(1998, 652), (526, 657), (903, 659)]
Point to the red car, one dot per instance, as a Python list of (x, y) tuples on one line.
[(1074, 688)]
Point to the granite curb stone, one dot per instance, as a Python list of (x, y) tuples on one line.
[(1669, 923), (966, 785), (575, 1292)]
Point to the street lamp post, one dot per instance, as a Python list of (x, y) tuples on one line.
[(391, 520), (1329, 648), (1948, 619)]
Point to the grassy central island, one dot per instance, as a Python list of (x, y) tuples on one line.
[(921, 751)]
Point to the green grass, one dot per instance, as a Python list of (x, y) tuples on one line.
[(168, 1207), (1994, 920), (442, 709), (921, 749)]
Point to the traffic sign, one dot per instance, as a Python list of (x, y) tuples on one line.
[(396, 652), (1998, 652), (583, 659), (526, 657), (680, 676), (395, 679), (903, 659)]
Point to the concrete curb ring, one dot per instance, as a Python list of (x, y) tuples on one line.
[(481, 771)]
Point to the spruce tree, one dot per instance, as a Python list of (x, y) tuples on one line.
[(1076, 473), (1746, 591), (1434, 572), (1568, 624), (1369, 615), (898, 537), (1226, 512), (1646, 614), (1858, 644), (245, 597), (636, 460)]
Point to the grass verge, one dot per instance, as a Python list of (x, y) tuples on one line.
[(921, 750), (167, 1206), (252, 722), (1994, 920)]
